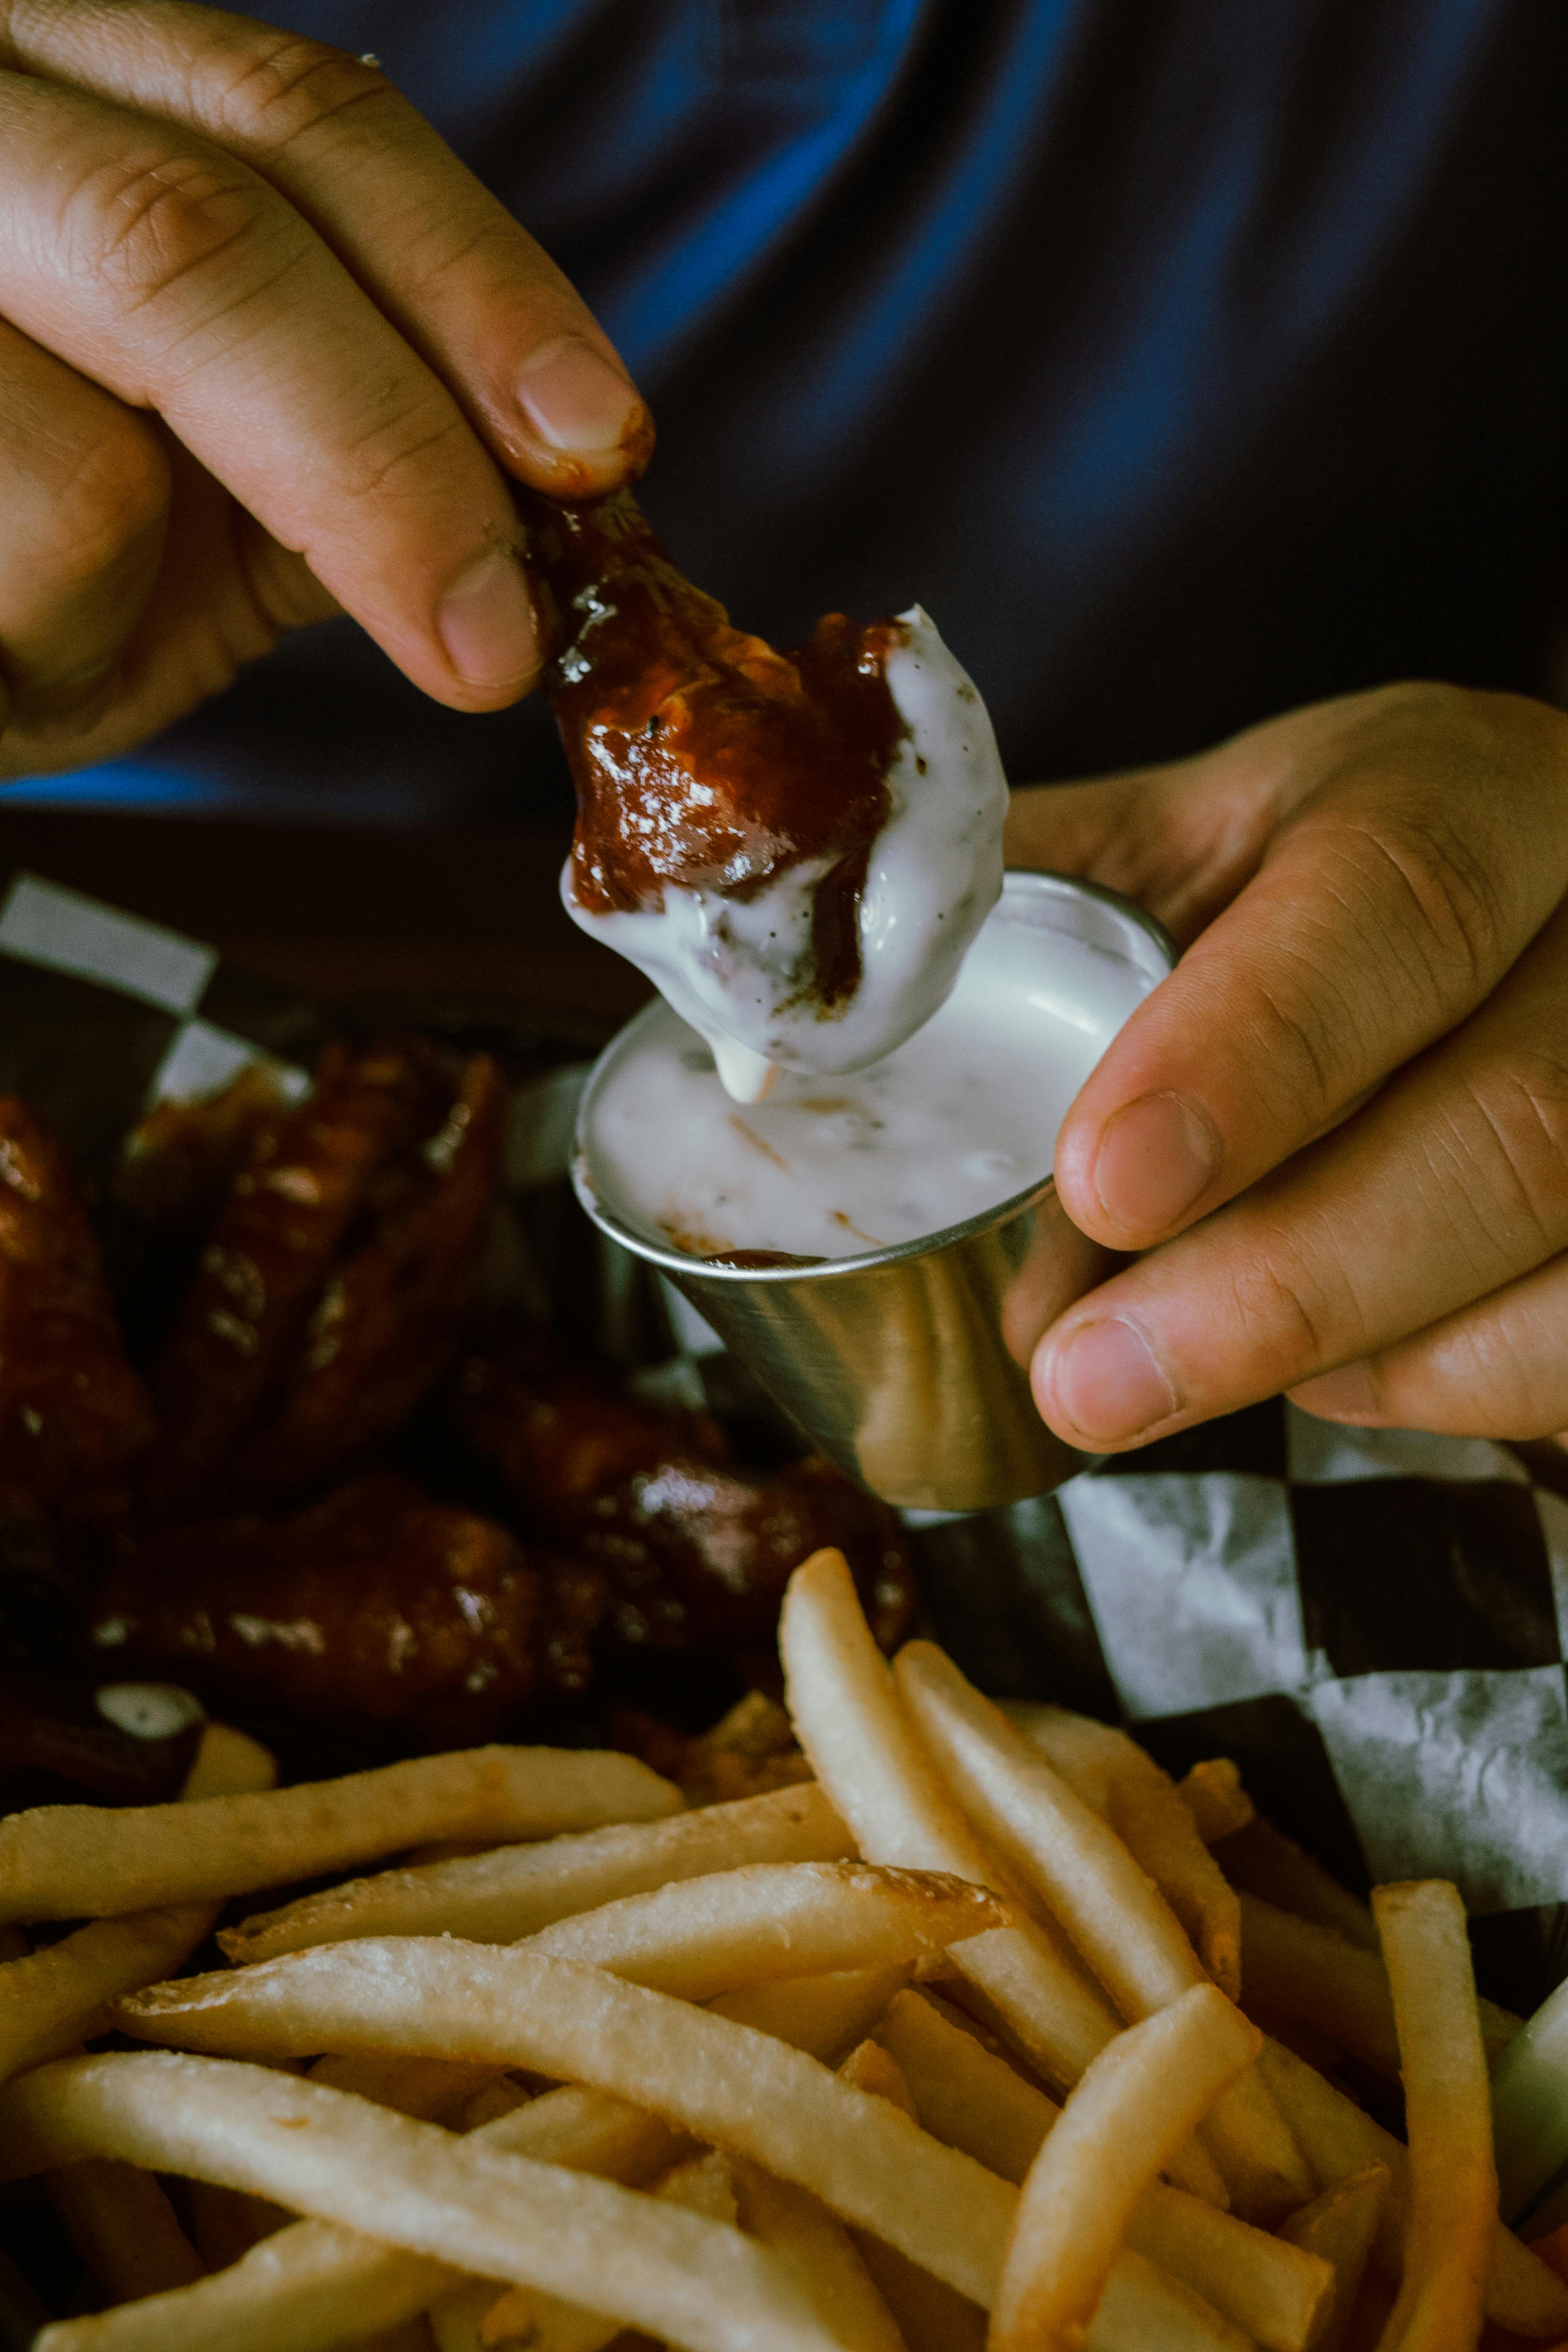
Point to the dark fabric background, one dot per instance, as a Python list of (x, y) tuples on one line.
[(1188, 359)]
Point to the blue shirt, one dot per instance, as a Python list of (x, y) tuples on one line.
[(1188, 359)]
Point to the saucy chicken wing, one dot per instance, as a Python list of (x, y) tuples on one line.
[(796, 848), (74, 1417), (377, 1602), (326, 1298), (695, 1550), (700, 755)]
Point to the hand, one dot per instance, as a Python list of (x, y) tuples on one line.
[(267, 351), (1340, 1130)]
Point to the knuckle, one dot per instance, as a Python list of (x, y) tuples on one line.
[(1524, 1103), (1289, 1323), (1450, 895), (1404, 934), (282, 86), (411, 448), (172, 218), (1298, 1054)]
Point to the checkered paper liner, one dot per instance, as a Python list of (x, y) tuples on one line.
[(1374, 1624)]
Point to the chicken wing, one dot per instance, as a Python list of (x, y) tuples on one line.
[(796, 848), (74, 1417), (377, 1602), (697, 1551), (328, 1296)]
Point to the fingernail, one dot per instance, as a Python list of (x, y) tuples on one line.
[(1349, 1394), (486, 623), (1156, 1158), (574, 399), (1104, 1379)]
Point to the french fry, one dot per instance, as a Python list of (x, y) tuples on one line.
[(1275, 2292), (819, 2014), (513, 1891), (1341, 2225), (123, 2227), (825, 2016), (1339, 2139), (701, 2183), (871, 2067), (1116, 1776), (228, 1763), (1142, 2307), (928, 2316), (1133, 2107), (699, 2283), (870, 1759), (1260, 1860), (726, 2084), (768, 1920), (974, 2100), (835, 2278), (962, 2093), (1214, 1795), (1139, 2310), (1303, 1974), (314, 2286), (1118, 1920), (931, 2316), (68, 1862), (55, 1998), (501, 2096), (425, 2087), (1451, 2213)]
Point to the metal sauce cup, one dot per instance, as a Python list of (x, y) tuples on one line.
[(908, 1366)]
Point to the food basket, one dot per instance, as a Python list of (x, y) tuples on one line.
[(1370, 1623)]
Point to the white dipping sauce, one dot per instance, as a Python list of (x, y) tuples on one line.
[(732, 967), (959, 1118)]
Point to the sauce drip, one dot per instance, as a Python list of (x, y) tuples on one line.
[(700, 756)]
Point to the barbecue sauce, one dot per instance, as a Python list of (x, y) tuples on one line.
[(700, 755)]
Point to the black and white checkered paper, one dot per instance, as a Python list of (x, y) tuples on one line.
[(1374, 1624)]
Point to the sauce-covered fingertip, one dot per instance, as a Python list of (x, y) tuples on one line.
[(587, 421)]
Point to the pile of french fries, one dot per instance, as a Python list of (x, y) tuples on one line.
[(971, 2028)]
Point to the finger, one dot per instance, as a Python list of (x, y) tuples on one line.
[(1451, 1183), (1499, 1369), (1430, 844), (468, 287), (176, 278), (84, 493)]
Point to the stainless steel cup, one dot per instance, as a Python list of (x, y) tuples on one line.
[(909, 1365)]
